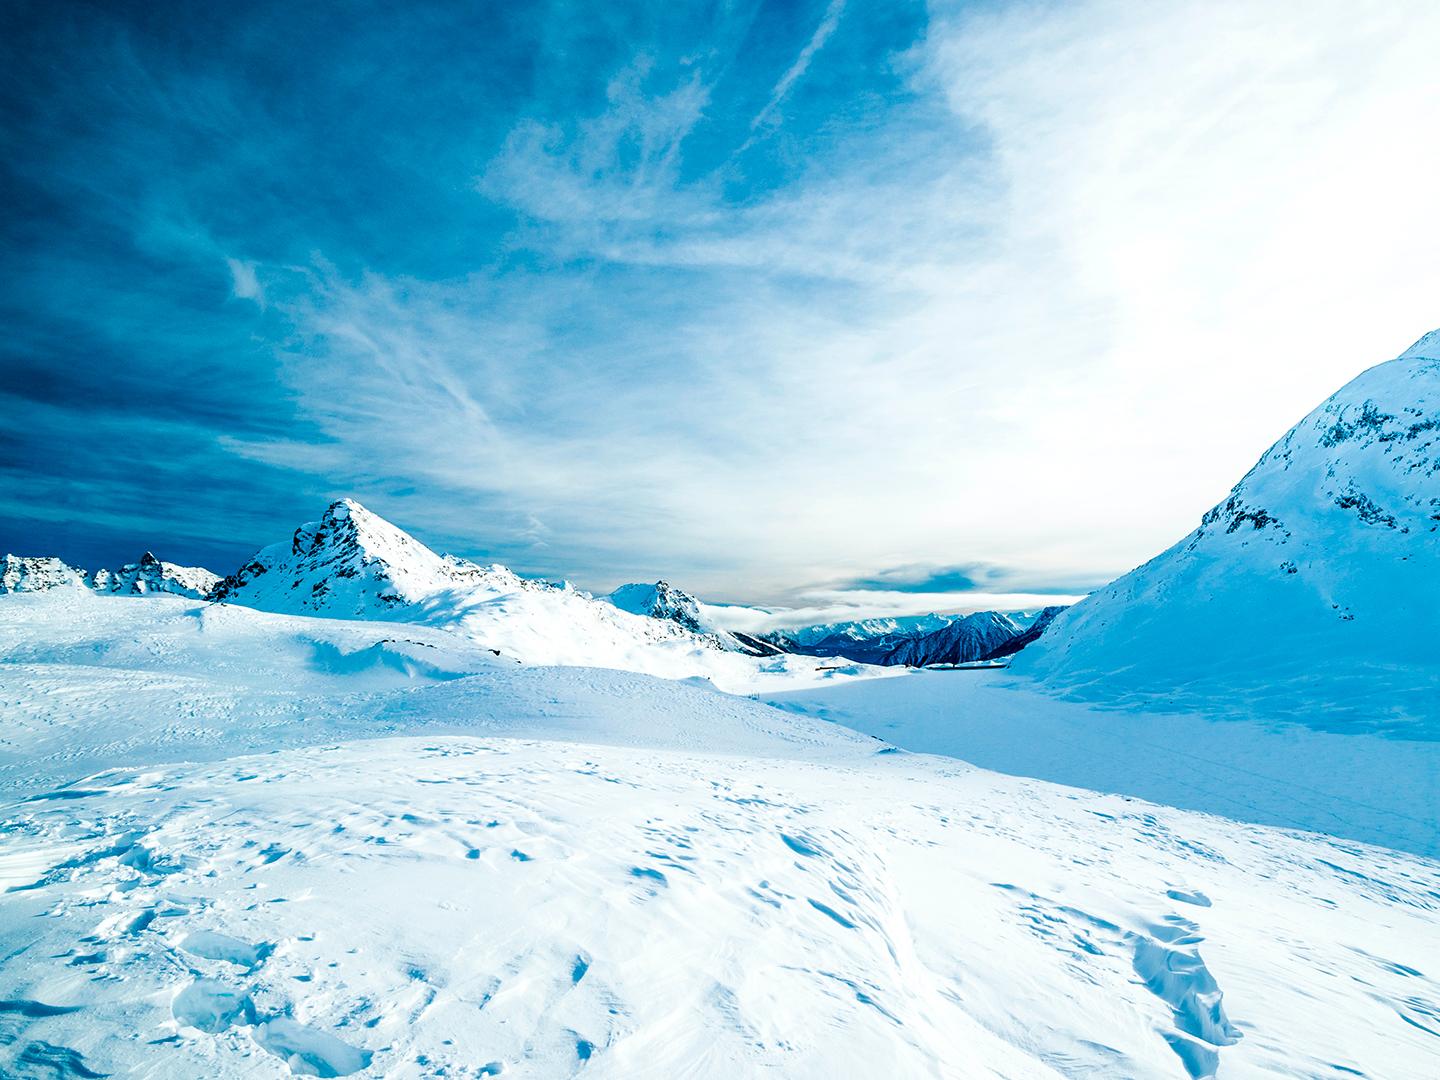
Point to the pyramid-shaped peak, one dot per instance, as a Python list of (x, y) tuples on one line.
[(351, 562), (349, 527)]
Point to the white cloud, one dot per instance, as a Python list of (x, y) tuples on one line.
[(1043, 319), (245, 283), (828, 22)]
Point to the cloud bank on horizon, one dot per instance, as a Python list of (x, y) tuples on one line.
[(835, 304)]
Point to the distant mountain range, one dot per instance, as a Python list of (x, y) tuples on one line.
[(149, 575), (353, 564)]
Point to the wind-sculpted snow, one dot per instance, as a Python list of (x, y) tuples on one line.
[(239, 843), (445, 906), (1311, 594)]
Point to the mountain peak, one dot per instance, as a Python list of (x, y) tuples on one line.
[(153, 575), (351, 563), (660, 601), (1427, 348)]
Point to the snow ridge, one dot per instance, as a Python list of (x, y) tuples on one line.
[(1311, 592), (149, 575)]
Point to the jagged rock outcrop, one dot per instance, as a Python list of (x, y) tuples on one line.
[(660, 601)]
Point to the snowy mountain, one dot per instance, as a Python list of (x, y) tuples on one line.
[(867, 641), (665, 602), (19, 573), (660, 601), (962, 641), (1312, 592), (1029, 635), (353, 564), (151, 575)]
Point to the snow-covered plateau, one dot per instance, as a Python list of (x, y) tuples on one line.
[(240, 843), (362, 809)]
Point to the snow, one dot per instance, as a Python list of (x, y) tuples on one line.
[(353, 564), (1311, 594), (241, 843), (1359, 785), (151, 575), (19, 573), (974, 637), (384, 812)]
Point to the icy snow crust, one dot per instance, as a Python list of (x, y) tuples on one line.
[(1311, 594), (240, 843)]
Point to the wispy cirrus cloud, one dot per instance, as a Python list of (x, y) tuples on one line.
[(1016, 289)]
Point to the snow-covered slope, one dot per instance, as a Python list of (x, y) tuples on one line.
[(973, 637), (246, 844), (1311, 593), (151, 575), (20, 573), (353, 564)]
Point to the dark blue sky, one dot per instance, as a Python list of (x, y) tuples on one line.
[(770, 299), (166, 166)]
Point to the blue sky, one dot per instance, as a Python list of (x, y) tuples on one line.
[(887, 305)]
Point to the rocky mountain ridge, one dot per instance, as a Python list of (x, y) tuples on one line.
[(150, 575), (1312, 590)]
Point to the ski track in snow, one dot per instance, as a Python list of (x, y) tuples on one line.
[(237, 844)]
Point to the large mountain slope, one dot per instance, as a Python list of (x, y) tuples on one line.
[(1311, 593)]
